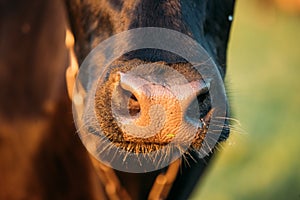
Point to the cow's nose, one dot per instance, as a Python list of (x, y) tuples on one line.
[(155, 112)]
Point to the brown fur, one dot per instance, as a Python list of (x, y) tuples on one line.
[(41, 156)]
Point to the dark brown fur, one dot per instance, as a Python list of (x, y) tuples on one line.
[(41, 157)]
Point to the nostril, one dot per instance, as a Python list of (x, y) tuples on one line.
[(134, 107), (131, 86), (204, 104), (201, 104)]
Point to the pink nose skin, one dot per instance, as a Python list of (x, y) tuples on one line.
[(160, 110)]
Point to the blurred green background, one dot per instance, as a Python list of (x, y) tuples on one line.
[(262, 162)]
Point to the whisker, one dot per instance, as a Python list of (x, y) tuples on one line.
[(186, 161), (230, 119)]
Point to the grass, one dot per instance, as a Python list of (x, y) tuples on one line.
[(264, 76)]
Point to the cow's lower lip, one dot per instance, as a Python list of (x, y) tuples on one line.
[(147, 146)]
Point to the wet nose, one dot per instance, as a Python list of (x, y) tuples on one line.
[(157, 112)]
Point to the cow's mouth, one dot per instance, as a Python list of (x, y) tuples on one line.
[(141, 145), (116, 120)]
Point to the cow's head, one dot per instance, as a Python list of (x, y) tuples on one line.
[(151, 99)]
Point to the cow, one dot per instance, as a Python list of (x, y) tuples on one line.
[(41, 156)]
